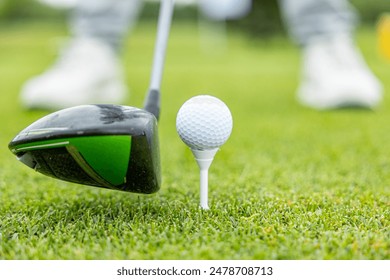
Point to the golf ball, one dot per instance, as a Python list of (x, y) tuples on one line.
[(204, 122)]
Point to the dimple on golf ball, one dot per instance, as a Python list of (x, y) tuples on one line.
[(204, 122)]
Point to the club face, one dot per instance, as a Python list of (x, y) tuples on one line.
[(106, 146)]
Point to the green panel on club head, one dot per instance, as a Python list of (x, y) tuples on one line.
[(108, 155)]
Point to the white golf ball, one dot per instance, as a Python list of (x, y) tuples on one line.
[(204, 122)]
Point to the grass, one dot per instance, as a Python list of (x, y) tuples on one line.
[(291, 183)]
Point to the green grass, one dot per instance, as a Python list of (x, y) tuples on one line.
[(291, 183)]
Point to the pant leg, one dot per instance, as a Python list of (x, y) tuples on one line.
[(107, 20), (308, 19)]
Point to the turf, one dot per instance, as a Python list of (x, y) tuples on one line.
[(291, 182)]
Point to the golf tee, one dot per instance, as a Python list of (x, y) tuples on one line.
[(204, 189), (204, 158)]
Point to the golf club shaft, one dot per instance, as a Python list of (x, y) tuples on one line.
[(152, 102), (164, 24)]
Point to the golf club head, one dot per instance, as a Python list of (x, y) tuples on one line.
[(106, 146)]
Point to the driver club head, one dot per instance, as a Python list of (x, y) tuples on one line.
[(107, 146)]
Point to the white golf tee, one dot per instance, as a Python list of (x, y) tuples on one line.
[(204, 160)]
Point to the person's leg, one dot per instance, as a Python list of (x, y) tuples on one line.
[(88, 70), (308, 19), (334, 72), (105, 20)]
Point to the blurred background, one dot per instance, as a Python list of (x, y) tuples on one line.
[(264, 18)]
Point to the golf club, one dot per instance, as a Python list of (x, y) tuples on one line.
[(108, 146)]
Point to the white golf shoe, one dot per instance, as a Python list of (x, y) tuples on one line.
[(335, 75), (87, 72)]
